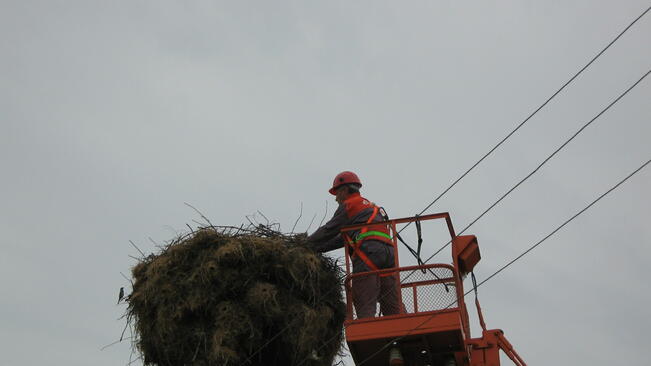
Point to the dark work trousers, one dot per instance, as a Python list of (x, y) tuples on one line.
[(370, 289)]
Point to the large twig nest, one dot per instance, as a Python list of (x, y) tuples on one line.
[(218, 298)]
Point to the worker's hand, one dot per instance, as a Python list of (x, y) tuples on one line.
[(299, 239)]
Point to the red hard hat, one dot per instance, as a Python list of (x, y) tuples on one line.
[(344, 178)]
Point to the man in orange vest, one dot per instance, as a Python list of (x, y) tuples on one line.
[(372, 248)]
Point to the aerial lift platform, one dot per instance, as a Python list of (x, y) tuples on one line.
[(433, 329)]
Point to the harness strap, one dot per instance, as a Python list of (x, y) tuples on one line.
[(364, 233), (361, 236), (360, 253), (369, 263), (371, 218)]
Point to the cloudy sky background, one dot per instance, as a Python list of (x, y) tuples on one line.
[(113, 114)]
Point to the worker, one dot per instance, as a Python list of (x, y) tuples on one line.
[(371, 248)]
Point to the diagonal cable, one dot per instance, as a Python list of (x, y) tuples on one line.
[(543, 162), (564, 223), (532, 113)]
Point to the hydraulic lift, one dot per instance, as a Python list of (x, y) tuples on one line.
[(433, 329)]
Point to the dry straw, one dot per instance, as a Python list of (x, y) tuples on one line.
[(220, 297)]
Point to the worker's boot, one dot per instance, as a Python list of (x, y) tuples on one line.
[(395, 357)]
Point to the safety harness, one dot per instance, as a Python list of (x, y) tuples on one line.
[(366, 234)]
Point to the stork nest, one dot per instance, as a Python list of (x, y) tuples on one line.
[(226, 297)]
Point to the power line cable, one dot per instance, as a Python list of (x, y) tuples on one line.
[(564, 223), (538, 167), (532, 114), (516, 258), (543, 162)]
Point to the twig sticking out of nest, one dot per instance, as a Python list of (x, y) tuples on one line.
[(217, 295)]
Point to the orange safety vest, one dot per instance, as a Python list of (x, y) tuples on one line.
[(353, 206)]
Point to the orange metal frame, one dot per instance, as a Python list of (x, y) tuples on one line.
[(424, 336)]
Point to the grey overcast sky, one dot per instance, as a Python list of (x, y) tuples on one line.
[(115, 113)]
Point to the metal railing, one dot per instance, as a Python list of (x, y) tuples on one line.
[(418, 289)]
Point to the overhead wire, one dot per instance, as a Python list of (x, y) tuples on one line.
[(568, 82), (549, 157), (544, 161), (514, 260), (565, 223)]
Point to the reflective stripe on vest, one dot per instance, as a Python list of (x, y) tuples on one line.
[(362, 236)]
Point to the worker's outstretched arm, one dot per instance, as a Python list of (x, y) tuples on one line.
[(328, 245), (327, 237)]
